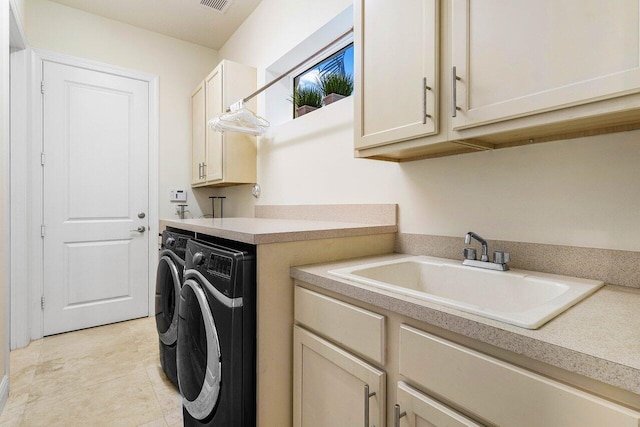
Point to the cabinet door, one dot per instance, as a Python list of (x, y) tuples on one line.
[(396, 53), (239, 149), (198, 125), (522, 57), (418, 410), (330, 383), (214, 140)]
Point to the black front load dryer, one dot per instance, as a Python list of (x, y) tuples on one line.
[(217, 336), (168, 284)]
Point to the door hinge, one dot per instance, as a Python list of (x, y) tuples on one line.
[(42, 87), (42, 228), (42, 159), (42, 302)]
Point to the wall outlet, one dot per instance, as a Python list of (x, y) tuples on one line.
[(178, 196)]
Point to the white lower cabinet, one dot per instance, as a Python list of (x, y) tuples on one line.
[(439, 382), (501, 393), (333, 387), (415, 409)]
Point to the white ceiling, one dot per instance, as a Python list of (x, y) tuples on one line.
[(182, 19)]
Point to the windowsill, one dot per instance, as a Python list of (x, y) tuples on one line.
[(320, 108)]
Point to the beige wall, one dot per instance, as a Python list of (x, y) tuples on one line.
[(582, 192), (180, 66)]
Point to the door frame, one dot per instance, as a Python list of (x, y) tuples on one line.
[(33, 316), (13, 43), (16, 197)]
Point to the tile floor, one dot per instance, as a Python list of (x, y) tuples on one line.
[(104, 376)]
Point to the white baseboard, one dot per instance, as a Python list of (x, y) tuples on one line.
[(4, 392)]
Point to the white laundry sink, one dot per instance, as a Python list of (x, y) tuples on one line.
[(522, 298)]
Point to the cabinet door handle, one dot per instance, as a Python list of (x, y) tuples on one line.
[(367, 396), (425, 88), (200, 170), (454, 80), (397, 415)]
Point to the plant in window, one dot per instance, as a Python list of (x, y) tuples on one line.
[(335, 86), (306, 100)]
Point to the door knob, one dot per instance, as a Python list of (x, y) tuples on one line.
[(141, 215), (140, 229)]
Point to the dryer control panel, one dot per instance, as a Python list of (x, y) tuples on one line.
[(220, 265), (230, 271)]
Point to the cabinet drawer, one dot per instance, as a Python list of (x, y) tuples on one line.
[(352, 327), (498, 392)]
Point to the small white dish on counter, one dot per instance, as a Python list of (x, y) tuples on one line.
[(527, 299)]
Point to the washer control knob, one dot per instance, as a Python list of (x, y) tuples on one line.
[(171, 242), (198, 258)]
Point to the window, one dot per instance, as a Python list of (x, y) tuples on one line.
[(331, 39), (325, 82)]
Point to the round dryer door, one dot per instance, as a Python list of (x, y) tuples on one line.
[(168, 280), (199, 368)]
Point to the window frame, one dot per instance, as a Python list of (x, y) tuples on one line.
[(342, 46)]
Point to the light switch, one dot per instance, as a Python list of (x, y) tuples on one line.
[(178, 196)]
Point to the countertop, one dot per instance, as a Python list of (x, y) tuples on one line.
[(258, 231), (598, 337)]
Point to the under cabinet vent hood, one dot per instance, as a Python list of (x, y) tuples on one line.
[(220, 6)]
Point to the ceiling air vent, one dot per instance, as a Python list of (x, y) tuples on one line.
[(220, 6)]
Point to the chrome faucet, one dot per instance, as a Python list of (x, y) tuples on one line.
[(485, 247), (500, 258)]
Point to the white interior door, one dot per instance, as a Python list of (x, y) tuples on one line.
[(96, 188)]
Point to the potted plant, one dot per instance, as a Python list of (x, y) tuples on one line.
[(306, 100), (335, 86)]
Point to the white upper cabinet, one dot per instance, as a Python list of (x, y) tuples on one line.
[(396, 55), (524, 57), (214, 107), (198, 124), (222, 158), (510, 73)]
